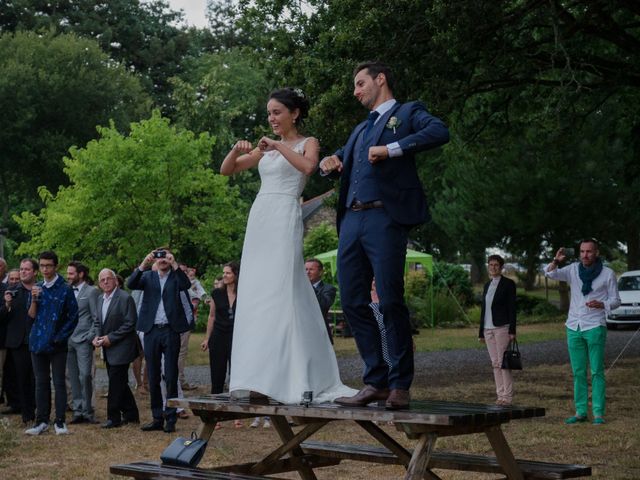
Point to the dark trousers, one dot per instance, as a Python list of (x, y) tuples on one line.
[(25, 381), (10, 382), (56, 363), (159, 342), (219, 357), (120, 403), (372, 244)]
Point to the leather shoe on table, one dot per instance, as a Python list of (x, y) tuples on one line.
[(111, 424), (364, 397), (156, 425), (170, 427), (397, 399)]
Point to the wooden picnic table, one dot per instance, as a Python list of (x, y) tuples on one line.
[(424, 422)]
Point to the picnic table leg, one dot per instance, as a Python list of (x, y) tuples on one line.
[(417, 469), (503, 453), (281, 426)]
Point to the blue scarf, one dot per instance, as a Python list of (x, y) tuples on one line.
[(589, 274)]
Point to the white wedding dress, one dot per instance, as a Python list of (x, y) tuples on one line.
[(280, 343)]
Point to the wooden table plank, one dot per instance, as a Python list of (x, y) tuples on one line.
[(420, 412)]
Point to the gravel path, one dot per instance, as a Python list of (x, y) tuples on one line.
[(435, 368)]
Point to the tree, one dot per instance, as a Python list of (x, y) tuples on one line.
[(320, 239), (54, 91), (143, 35), (130, 194)]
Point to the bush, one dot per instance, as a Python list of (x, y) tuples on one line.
[(446, 311), (449, 277), (528, 305)]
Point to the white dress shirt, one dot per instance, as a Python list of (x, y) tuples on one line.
[(393, 148), (604, 289), (488, 301), (106, 301), (161, 315)]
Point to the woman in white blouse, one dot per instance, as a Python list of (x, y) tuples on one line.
[(498, 325)]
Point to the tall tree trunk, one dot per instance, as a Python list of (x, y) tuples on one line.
[(531, 264), (478, 268)]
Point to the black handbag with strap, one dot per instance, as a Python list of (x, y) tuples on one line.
[(184, 452), (511, 358)]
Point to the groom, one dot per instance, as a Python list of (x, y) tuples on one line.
[(381, 198)]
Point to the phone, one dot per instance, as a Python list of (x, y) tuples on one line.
[(569, 252), (160, 254)]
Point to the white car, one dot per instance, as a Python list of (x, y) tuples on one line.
[(628, 313)]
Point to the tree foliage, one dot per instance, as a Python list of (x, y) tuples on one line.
[(130, 194), (54, 90)]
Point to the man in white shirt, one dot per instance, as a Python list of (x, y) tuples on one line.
[(594, 292)]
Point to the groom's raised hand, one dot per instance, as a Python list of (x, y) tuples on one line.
[(330, 164)]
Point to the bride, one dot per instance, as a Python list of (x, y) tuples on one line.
[(280, 344)]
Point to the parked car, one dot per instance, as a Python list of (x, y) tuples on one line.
[(628, 313)]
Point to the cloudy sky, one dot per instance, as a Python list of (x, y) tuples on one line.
[(194, 10)]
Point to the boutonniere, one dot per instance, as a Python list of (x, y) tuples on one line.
[(393, 123)]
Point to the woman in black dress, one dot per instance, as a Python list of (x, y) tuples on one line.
[(219, 336)]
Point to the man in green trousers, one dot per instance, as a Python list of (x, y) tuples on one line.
[(594, 292)]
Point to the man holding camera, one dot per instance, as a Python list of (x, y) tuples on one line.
[(13, 314), (55, 312), (162, 319), (594, 291)]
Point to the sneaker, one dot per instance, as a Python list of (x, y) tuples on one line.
[(255, 423), (267, 423), (37, 429), (61, 428)]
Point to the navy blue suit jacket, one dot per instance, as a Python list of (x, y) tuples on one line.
[(400, 187), (149, 282)]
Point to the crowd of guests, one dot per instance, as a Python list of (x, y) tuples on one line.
[(51, 329)]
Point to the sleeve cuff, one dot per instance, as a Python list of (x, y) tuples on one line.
[(394, 149)]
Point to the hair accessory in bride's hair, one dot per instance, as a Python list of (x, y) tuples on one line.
[(299, 92)]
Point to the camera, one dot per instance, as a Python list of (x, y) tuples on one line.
[(160, 254)]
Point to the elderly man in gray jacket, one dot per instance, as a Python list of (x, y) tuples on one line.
[(115, 333)]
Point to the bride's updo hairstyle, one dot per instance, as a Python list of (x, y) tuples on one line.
[(293, 98)]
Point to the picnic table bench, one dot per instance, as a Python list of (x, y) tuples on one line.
[(424, 422)]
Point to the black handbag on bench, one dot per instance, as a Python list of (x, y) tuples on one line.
[(184, 452), (511, 359)]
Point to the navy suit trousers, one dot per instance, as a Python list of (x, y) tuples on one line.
[(159, 342), (372, 244)]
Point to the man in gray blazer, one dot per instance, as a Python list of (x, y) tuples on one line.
[(80, 360), (115, 333)]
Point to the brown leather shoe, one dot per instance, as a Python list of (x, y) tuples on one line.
[(364, 397), (397, 399)]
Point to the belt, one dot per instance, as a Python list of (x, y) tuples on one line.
[(357, 205), (160, 325)]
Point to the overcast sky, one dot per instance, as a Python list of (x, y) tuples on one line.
[(194, 11)]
